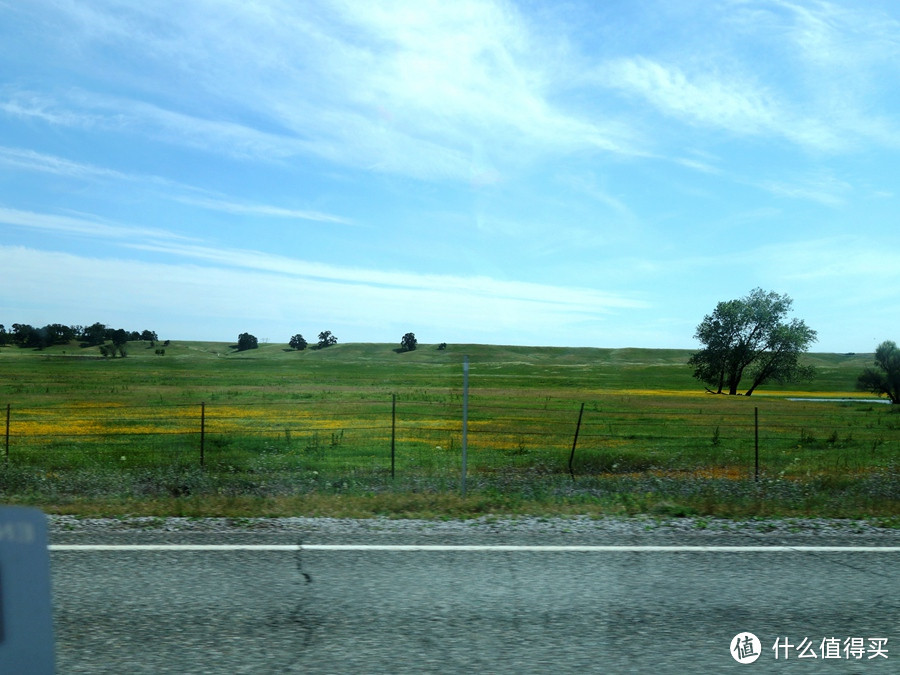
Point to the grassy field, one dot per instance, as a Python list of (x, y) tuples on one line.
[(282, 432)]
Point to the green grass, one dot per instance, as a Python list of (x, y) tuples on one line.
[(310, 432)]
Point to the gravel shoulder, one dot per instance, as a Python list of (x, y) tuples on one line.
[(812, 531)]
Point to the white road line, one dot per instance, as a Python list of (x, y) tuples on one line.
[(474, 547)]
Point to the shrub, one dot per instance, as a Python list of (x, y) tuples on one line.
[(247, 341), (408, 342)]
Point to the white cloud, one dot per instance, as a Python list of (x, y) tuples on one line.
[(705, 98), (272, 292), (265, 210), (568, 299), (833, 60), (410, 87), (839, 263), (32, 105), (731, 102), (842, 38), (823, 188), (30, 160), (406, 88), (238, 273), (83, 226), (598, 191)]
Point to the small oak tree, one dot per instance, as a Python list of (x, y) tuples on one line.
[(408, 342), (247, 341), (326, 339), (297, 342)]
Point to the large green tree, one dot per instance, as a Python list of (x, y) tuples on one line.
[(886, 380), (750, 338)]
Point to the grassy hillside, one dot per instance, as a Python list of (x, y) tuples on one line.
[(196, 370), (282, 431)]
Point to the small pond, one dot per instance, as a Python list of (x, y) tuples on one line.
[(843, 400)]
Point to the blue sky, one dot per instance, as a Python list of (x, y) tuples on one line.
[(538, 173)]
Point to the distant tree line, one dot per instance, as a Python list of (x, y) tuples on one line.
[(95, 335), (297, 342)]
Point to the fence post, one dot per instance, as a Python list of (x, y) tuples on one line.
[(202, 432), (575, 442), (7, 433), (393, 430), (756, 443), (465, 423)]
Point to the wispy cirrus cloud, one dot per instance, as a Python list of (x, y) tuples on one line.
[(180, 249), (85, 226), (811, 73), (710, 99), (823, 188), (30, 160), (411, 87), (407, 89), (46, 108), (225, 301), (833, 59), (575, 299), (705, 98), (842, 38), (220, 291), (857, 260), (265, 210)]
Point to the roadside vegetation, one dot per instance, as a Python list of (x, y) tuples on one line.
[(309, 432)]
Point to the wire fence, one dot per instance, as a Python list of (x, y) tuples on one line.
[(424, 436)]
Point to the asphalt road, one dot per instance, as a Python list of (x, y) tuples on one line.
[(352, 611)]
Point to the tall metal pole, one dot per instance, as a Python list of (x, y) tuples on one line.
[(393, 430), (465, 422)]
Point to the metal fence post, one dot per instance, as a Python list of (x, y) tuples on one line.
[(465, 423), (756, 443), (575, 442), (393, 430), (7, 433)]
